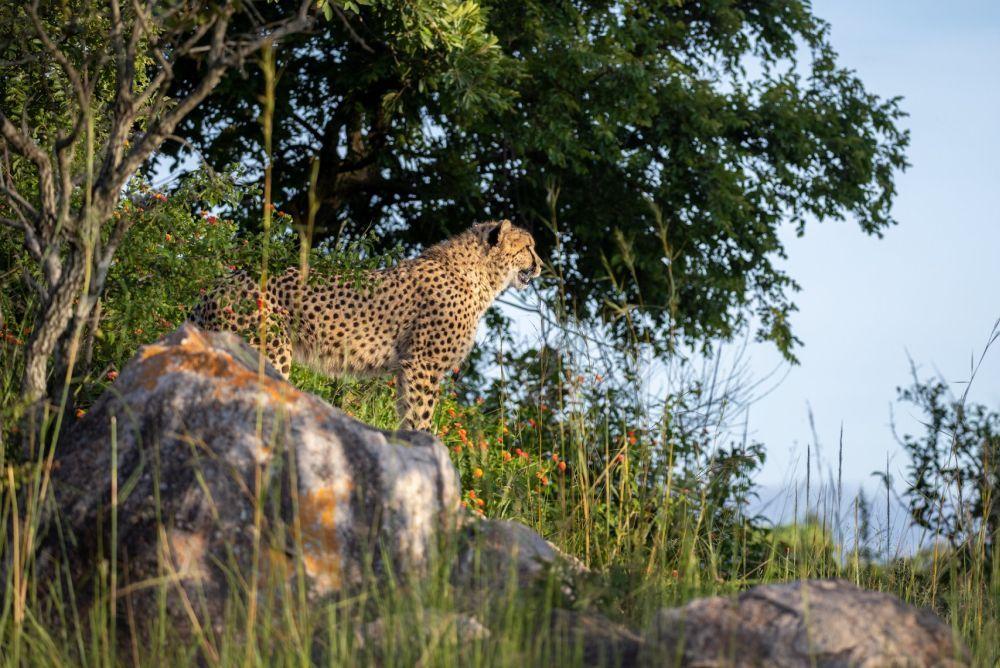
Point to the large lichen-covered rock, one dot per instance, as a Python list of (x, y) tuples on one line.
[(222, 472), (823, 623)]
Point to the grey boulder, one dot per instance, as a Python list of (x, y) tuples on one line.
[(825, 623)]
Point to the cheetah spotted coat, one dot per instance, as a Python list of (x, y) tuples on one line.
[(417, 319)]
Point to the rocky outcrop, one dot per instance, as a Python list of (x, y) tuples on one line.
[(825, 623), (206, 477)]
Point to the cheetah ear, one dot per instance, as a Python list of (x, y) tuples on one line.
[(499, 230)]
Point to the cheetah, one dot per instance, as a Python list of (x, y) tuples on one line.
[(417, 320)]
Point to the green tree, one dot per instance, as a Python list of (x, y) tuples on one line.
[(679, 137)]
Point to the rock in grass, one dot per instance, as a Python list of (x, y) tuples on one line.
[(429, 626), (595, 640), (824, 623), (219, 471), (497, 555)]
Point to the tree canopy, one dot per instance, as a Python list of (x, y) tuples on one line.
[(679, 136)]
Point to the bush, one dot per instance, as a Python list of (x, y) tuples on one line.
[(954, 466)]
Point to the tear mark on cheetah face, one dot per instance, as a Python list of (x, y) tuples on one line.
[(417, 320)]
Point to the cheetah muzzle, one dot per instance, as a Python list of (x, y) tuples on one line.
[(524, 278), (417, 320)]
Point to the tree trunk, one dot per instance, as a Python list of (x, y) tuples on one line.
[(50, 324)]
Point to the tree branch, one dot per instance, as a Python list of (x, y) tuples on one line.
[(16, 199), (71, 72), (307, 126), (350, 29), (220, 58), (26, 276), (124, 109), (21, 143)]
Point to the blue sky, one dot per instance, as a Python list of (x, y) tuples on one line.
[(931, 288)]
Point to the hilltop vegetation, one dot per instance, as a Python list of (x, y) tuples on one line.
[(653, 163)]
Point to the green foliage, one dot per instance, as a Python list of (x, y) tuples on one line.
[(954, 469), (83, 106), (176, 248), (643, 464), (679, 138), (29, 89)]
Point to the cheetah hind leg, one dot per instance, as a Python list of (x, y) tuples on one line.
[(276, 338), (221, 311), (279, 344)]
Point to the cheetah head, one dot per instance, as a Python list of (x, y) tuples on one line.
[(513, 249)]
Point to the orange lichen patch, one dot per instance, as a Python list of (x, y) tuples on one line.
[(194, 354), (320, 546), (151, 350)]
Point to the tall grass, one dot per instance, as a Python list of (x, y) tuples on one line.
[(641, 560)]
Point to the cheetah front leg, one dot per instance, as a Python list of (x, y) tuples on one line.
[(417, 385)]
